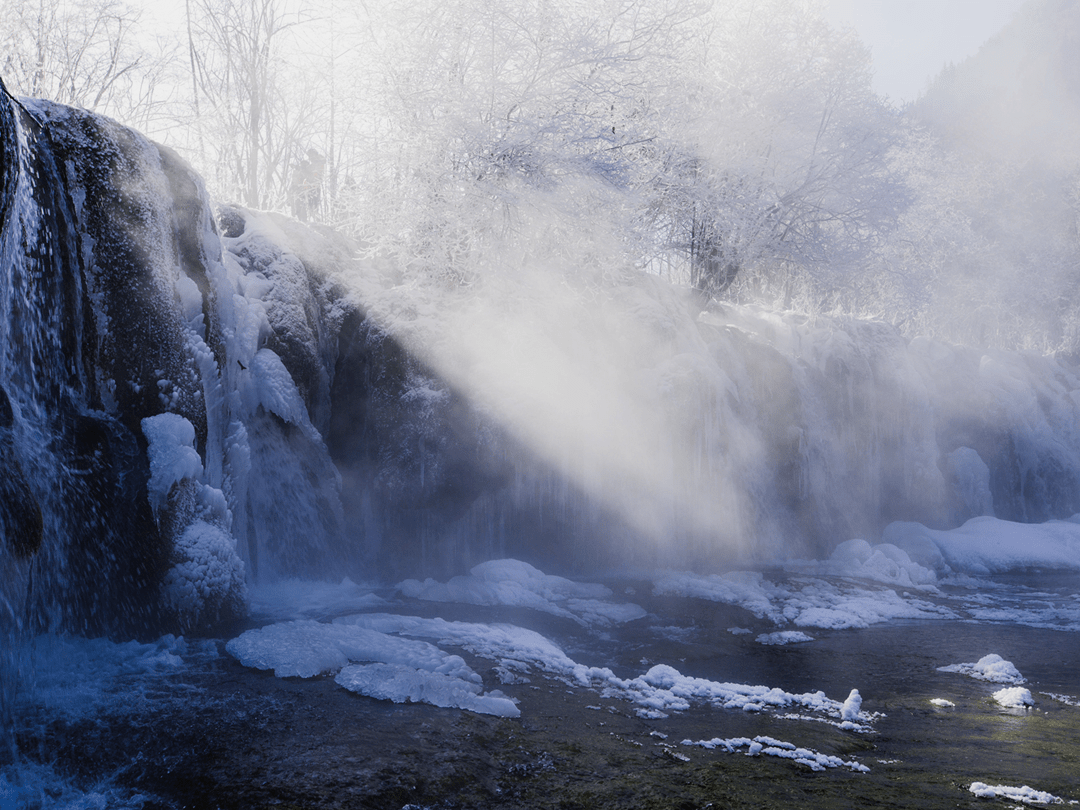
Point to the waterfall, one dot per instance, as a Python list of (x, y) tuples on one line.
[(191, 401)]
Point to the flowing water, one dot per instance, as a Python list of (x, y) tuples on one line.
[(149, 731)]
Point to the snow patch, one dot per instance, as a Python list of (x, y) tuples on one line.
[(1023, 794), (768, 746), (784, 637), (991, 668), (404, 684), (391, 667)]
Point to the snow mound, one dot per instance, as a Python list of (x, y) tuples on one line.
[(517, 584), (767, 746), (851, 707), (1014, 697), (991, 668), (1016, 794), (942, 703), (884, 563), (987, 545)]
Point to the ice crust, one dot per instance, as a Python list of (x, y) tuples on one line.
[(517, 584), (784, 637)]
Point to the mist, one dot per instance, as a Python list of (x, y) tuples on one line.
[(533, 404)]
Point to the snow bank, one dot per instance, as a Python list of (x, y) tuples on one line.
[(986, 545), (991, 668), (767, 746), (1017, 794), (851, 707), (804, 602), (517, 584)]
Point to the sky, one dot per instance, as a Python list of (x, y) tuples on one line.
[(911, 40)]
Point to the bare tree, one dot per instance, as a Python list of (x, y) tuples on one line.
[(245, 120), (84, 53)]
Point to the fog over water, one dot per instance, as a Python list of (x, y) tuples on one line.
[(532, 362)]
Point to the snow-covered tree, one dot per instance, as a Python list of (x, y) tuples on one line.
[(779, 167), (85, 53)]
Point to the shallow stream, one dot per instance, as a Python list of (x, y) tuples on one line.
[(199, 730)]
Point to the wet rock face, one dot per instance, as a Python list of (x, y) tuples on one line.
[(21, 523), (90, 333)]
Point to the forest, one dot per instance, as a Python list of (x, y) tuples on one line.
[(733, 147)]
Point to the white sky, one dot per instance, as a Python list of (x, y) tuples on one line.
[(912, 40)]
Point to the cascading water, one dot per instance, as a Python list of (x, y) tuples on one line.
[(180, 401)]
